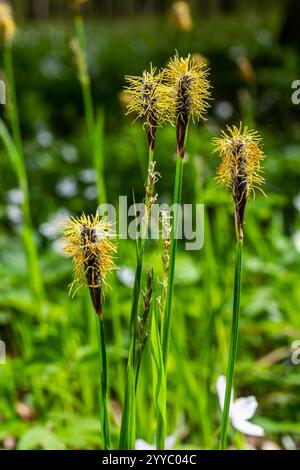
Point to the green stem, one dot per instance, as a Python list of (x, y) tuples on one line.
[(105, 431), (98, 156), (138, 272), (12, 105), (85, 85), (167, 318), (233, 343), (127, 437), (166, 331), (94, 121)]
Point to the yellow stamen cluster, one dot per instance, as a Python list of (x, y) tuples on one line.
[(240, 152), (189, 86), (7, 23), (88, 242), (176, 94), (148, 97)]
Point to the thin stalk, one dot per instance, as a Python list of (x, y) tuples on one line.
[(94, 120), (85, 84), (139, 269), (166, 331), (233, 343), (95, 129), (159, 382), (167, 318), (33, 267), (127, 439), (98, 156), (13, 108), (105, 431)]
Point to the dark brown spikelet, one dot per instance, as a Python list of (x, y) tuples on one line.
[(93, 278), (240, 188), (183, 111)]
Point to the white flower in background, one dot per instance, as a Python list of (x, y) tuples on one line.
[(51, 67), (14, 214), (297, 202), (224, 109), (269, 445), (91, 193), (87, 176), (140, 444), (288, 443), (52, 228), (58, 246), (69, 153), (44, 138), (126, 276), (67, 187), (15, 196), (241, 410)]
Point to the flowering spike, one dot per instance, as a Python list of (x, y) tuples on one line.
[(240, 170), (88, 243), (166, 225), (148, 99), (80, 61), (7, 23), (189, 88)]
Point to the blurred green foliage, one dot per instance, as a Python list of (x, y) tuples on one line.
[(52, 355)]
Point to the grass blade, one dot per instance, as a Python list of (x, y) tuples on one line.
[(103, 385), (159, 380), (127, 433), (233, 342)]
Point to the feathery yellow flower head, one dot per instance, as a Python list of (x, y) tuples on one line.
[(7, 23), (148, 99), (189, 88), (240, 170), (88, 242)]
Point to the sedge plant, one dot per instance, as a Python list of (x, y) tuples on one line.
[(189, 93), (95, 125), (89, 242), (241, 155), (147, 101), (188, 89), (14, 146)]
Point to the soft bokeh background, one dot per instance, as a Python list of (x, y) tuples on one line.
[(48, 395)]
